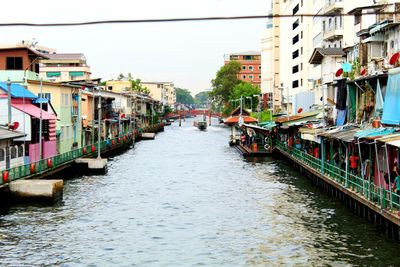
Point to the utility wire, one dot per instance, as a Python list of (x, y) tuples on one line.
[(96, 22)]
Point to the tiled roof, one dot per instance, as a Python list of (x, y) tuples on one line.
[(319, 53)]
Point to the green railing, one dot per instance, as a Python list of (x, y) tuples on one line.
[(367, 189), (48, 164)]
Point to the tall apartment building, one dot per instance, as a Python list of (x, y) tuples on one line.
[(295, 49), (251, 66), (270, 60), (161, 91), (65, 67)]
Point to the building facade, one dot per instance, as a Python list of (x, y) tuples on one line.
[(250, 66), (163, 92), (62, 67)]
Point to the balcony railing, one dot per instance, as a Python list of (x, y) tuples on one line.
[(333, 34), (333, 6)]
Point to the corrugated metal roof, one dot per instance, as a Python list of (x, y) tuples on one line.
[(66, 56), (33, 111), (375, 132), (17, 91), (319, 53), (7, 134)]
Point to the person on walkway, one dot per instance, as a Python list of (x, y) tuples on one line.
[(396, 188)]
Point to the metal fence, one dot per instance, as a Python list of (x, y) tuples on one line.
[(51, 163), (367, 189)]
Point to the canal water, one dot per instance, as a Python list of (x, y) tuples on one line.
[(188, 199)]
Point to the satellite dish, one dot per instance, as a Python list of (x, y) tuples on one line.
[(13, 126), (394, 58), (339, 72)]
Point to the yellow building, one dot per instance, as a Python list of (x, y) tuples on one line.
[(65, 100), (161, 91), (116, 86)]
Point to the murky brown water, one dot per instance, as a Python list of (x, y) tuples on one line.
[(188, 199)]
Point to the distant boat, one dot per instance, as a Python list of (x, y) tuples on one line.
[(202, 125)]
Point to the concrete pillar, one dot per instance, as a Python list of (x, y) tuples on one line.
[(37, 190), (94, 165)]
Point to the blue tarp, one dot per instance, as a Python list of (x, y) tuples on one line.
[(341, 117), (391, 107), (374, 132), (17, 91)]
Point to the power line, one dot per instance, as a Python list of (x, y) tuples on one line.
[(131, 21)]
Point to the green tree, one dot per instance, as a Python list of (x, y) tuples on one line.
[(224, 83), (246, 91), (201, 98), (137, 87), (183, 96)]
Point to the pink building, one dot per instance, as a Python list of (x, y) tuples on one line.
[(25, 110)]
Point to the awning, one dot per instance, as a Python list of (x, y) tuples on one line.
[(311, 137), (312, 131), (33, 111), (343, 134), (374, 133), (393, 140), (6, 134), (374, 38), (346, 136), (391, 107), (235, 120)]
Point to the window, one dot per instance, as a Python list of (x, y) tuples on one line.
[(295, 84), (251, 77), (357, 19), (20, 151), (243, 67), (248, 57), (295, 69), (109, 88), (295, 24), (301, 35), (13, 152), (295, 54), (301, 66), (301, 82), (301, 50), (250, 67), (51, 74), (244, 77), (295, 39), (259, 77), (259, 67), (295, 9), (45, 95), (14, 63), (375, 50), (76, 73), (2, 154)]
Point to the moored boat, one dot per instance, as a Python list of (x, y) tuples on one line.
[(202, 125)]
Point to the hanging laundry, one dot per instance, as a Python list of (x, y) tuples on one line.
[(378, 101), (341, 96)]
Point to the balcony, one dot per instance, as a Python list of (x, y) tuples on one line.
[(332, 7), (333, 34)]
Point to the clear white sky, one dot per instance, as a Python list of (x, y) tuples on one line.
[(187, 53)]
